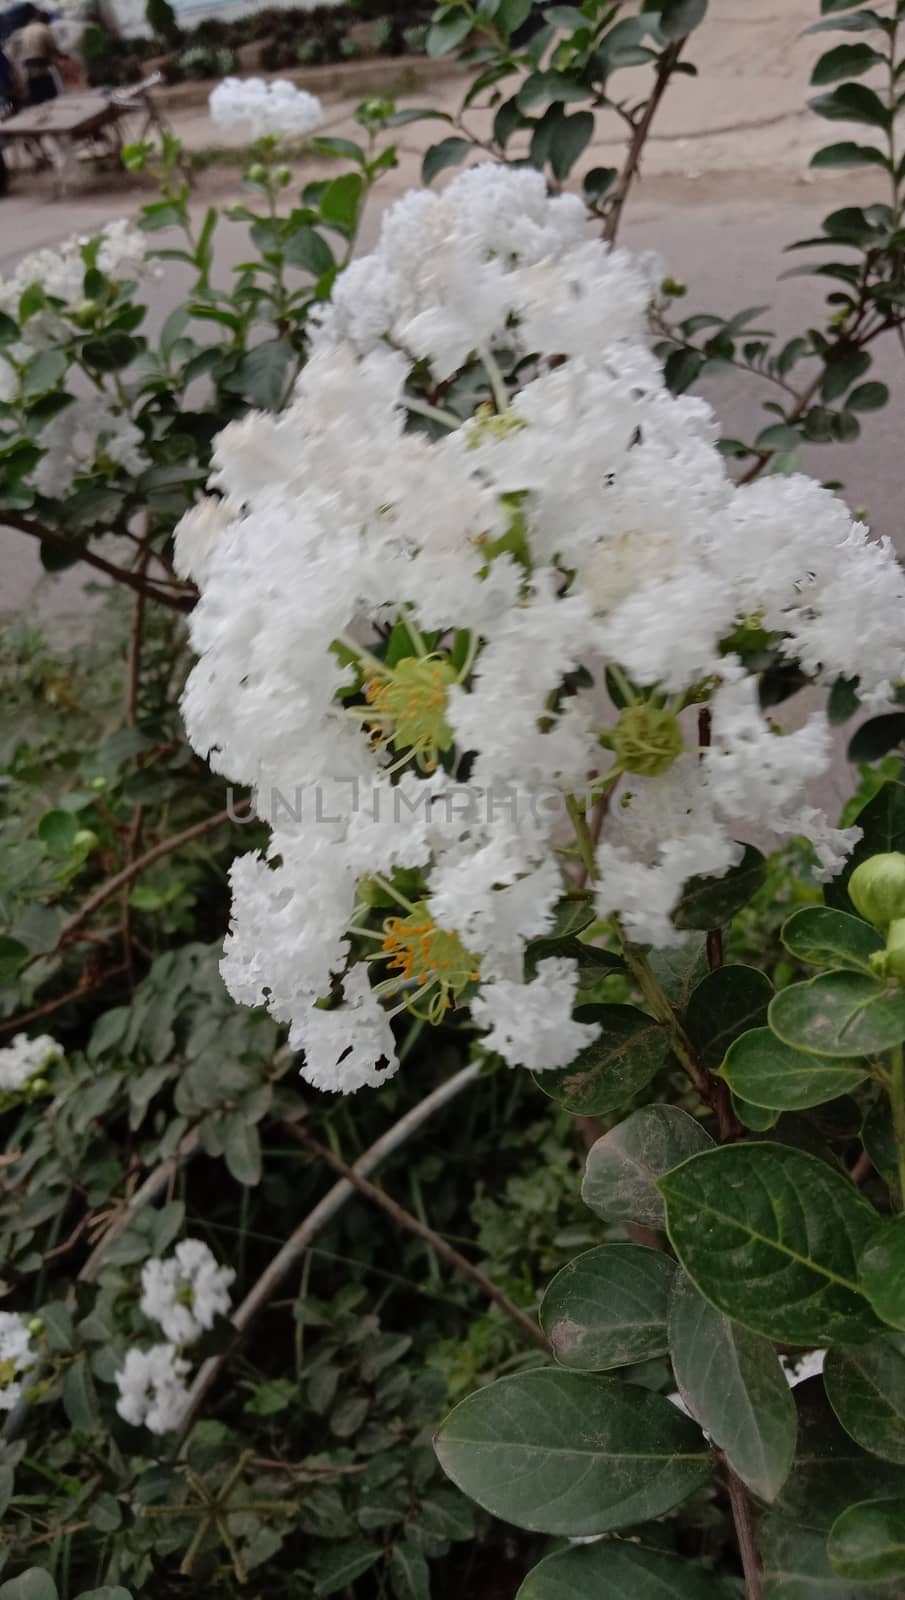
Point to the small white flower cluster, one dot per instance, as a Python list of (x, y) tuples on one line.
[(85, 428), (25, 1058), (17, 1357), (482, 456), (277, 107), (183, 1294)]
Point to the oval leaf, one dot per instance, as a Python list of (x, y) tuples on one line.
[(830, 1470), (620, 1181), (733, 1384), (867, 1542), (840, 1014), (772, 1237), (619, 1571), (866, 1389), (766, 1072), (565, 1452), (727, 1003), (822, 937), (711, 902), (631, 1049), (882, 1272), (608, 1307)]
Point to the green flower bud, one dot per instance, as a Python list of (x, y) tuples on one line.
[(674, 288), (257, 173), (98, 784), (39, 1086), (36, 1327), (283, 176), (86, 840), (877, 888), (647, 739)]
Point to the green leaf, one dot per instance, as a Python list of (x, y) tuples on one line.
[(712, 902), (44, 372), (304, 247), (630, 1050), (765, 1072), (848, 154), (845, 61), (619, 1570), (608, 1307), (822, 937), (733, 1384), (882, 1271), (80, 1397), (448, 153), (241, 1148), (57, 831), (830, 1469), (110, 351), (106, 1593), (409, 1572), (757, 1118), (341, 200), (620, 1181), (510, 14), (569, 140), (771, 1236), (340, 1564), (883, 824), (796, 1564), (852, 102), (681, 17), (12, 955), (261, 376), (571, 1453), (35, 1584), (727, 1003), (868, 1541), (9, 330), (866, 1389), (450, 28), (868, 397), (839, 1014), (875, 739)]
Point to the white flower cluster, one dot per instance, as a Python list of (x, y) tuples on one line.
[(277, 107), (482, 464), (17, 1357), (25, 1058), (183, 1294)]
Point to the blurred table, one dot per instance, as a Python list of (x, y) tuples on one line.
[(53, 134)]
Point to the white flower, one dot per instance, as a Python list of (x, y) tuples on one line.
[(531, 1024), (263, 108), (17, 1357), (481, 533), (152, 1390), (75, 438), (186, 1292), (25, 1058)]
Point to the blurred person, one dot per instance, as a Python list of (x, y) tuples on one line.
[(38, 55)]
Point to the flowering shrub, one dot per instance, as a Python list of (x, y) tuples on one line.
[(500, 648)]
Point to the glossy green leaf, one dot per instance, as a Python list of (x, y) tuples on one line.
[(262, 375), (571, 1453), (447, 153), (727, 1003), (620, 1181), (830, 1470), (451, 28), (848, 154), (845, 61), (766, 1072), (875, 738), (711, 902), (852, 102), (733, 1384), (882, 1271), (110, 351), (341, 200), (822, 937), (797, 1566), (680, 17), (409, 1572), (883, 824), (840, 1014), (35, 1584), (608, 1307), (866, 1389), (619, 1570), (871, 396), (758, 1118), (57, 831), (630, 1050), (867, 1542), (305, 247), (772, 1237)]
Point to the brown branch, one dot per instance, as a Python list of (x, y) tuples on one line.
[(746, 1532), (136, 634), (665, 68), (82, 988), (404, 1219), (181, 598), (135, 868), (863, 1166)]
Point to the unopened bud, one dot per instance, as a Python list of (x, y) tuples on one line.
[(85, 840), (647, 739), (283, 176), (36, 1327), (877, 888), (674, 288), (257, 173)]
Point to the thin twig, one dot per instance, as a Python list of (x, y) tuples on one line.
[(282, 1263), (85, 986), (746, 1532), (136, 634), (405, 1219), (665, 68), (181, 598)]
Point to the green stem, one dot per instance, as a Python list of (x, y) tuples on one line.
[(651, 992), (897, 1102), (583, 837)]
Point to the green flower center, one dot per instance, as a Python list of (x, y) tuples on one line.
[(407, 705), (646, 739)]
